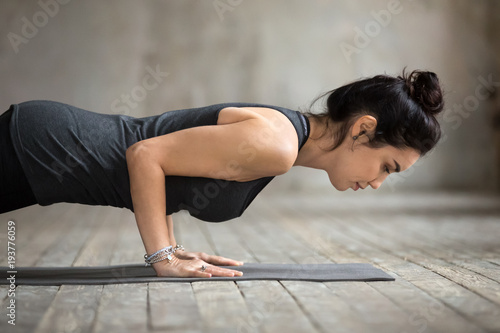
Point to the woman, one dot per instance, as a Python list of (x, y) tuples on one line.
[(211, 161)]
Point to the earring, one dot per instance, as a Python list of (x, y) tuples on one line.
[(357, 136)]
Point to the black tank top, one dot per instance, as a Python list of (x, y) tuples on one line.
[(74, 155)]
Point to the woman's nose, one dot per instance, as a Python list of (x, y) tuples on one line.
[(375, 184)]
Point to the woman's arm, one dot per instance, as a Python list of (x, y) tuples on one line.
[(170, 227), (147, 188), (243, 146)]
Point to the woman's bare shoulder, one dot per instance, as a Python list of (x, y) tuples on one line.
[(274, 119), (244, 145)]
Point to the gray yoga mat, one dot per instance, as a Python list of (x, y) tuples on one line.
[(55, 276)]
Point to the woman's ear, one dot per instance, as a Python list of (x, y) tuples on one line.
[(364, 125)]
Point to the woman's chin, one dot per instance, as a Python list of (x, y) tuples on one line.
[(340, 188)]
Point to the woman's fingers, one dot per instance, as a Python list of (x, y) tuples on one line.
[(214, 260), (192, 268), (219, 271), (220, 261), (214, 270)]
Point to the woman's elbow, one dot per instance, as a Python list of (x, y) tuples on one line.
[(137, 154)]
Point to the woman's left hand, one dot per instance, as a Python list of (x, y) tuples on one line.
[(210, 259)]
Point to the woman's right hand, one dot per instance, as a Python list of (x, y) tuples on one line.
[(191, 267)]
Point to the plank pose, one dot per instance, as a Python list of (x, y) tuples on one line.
[(211, 161)]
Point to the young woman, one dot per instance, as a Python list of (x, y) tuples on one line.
[(211, 161)]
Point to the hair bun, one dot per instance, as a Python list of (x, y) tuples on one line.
[(423, 87)]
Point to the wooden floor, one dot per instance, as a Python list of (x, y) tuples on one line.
[(443, 249)]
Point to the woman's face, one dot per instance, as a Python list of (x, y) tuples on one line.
[(358, 166)]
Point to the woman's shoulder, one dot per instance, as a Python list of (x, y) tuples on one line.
[(271, 122)]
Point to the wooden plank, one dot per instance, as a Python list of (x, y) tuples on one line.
[(32, 301), (495, 261), (308, 253), (282, 239), (194, 239), (122, 306), (475, 308), (423, 312), (479, 284), (129, 248), (423, 254), (34, 250), (419, 299), (35, 230), (414, 301), (225, 242), (371, 307), (173, 307), (221, 305), (74, 308), (31, 304), (364, 302), (450, 234), (448, 246), (422, 289), (30, 220), (170, 306), (71, 235), (100, 245), (258, 242), (3, 292), (272, 309), (327, 311), (393, 317)]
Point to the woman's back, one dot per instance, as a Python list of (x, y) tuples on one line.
[(73, 155)]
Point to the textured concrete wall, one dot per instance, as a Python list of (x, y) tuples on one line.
[(99, 55)]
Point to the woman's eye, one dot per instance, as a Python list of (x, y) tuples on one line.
[(387, 170)]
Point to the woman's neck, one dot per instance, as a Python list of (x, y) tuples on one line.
[(311, 154)]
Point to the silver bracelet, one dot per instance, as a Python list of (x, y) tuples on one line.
[(162, 254), (165, 253), (178, 247)]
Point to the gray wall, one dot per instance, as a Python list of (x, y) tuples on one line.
[(93, 53)]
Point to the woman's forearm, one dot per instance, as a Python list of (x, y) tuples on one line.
[(147, 188), (170, 227)]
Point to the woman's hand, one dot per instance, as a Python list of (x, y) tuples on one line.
[(188, 264)]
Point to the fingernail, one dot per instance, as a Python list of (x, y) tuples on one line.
[(239, 273)]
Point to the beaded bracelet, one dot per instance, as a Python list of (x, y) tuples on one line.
[(162, 254), (178, 247)]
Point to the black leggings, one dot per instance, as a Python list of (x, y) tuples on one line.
[(15, 191)]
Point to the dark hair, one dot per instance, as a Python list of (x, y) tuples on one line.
[(405, 108)]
